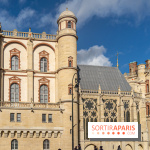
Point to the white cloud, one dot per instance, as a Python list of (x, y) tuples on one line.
[(86, 9), (93, 56), (22, 20)]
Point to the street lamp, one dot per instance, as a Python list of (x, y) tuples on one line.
[(76, 86)]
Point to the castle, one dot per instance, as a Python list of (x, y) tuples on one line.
[(38, 75)]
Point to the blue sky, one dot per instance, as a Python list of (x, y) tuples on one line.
[(104, 26)]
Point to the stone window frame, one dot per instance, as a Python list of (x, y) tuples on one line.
[(127, 110), (15, 141), (46, 82), (69, 88), (71, 24), (108, 111), (13, 80), (46, 141), (89, 108), (14, 52), (70, 59), (44, 54), (147, 86)]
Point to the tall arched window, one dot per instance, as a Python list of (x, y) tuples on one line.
[(46, 145), (14, 92), (43, 64), (14, 145), (14, 63), (69, 24), (128, 116), (44, 94)]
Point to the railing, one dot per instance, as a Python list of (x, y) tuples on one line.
[(106, 92), (16, 33), (89, 91), (125, 93), (29, 105), (109, 92), (130, 74), (137, 94)]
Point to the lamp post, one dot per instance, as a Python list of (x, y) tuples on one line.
[(76, 86)]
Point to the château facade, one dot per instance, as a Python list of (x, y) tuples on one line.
[(36, 75)]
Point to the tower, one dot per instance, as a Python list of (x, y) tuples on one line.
[(66, 64)]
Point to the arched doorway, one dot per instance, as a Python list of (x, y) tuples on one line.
[(129, 147), (89, 147)]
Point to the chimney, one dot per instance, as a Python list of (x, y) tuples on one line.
[(133, 67)]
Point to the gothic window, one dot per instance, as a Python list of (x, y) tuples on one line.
[(110, 110), (44, 94), (14, 92), (14, 145), (89, 113), (46, 145), (43, 64), (126, 110), (14, 63), (69, 24)]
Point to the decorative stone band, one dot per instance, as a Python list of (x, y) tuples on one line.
[(30, 133), (33, 106)]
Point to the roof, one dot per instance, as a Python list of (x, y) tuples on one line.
[(67, 13), (109, 78)]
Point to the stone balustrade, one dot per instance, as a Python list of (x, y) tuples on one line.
[(18, 34)]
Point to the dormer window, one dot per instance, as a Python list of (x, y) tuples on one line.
[(69, 24)]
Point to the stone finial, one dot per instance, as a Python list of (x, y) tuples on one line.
[(30, 29)]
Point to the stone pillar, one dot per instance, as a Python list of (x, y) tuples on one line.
[(1, 67), (134, 112), (102, 109), (143, 121), (81, 127), (122, 110), (30, 70)]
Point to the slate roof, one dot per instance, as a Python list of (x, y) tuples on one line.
[(109, 78)]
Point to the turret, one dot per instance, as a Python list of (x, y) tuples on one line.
[(67, 68)]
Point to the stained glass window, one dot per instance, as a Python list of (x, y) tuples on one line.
[(89, 113), (110, 110)]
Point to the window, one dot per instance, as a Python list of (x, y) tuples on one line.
[(18, 117), (70, 61), (14, 63), (43, 117), (69, 24), (70, 91), (70, 65), (44, 94), (12, 117), (49, 117), (14, 145), (14, 92), (46, 145), (43, 64), (126, 110)]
